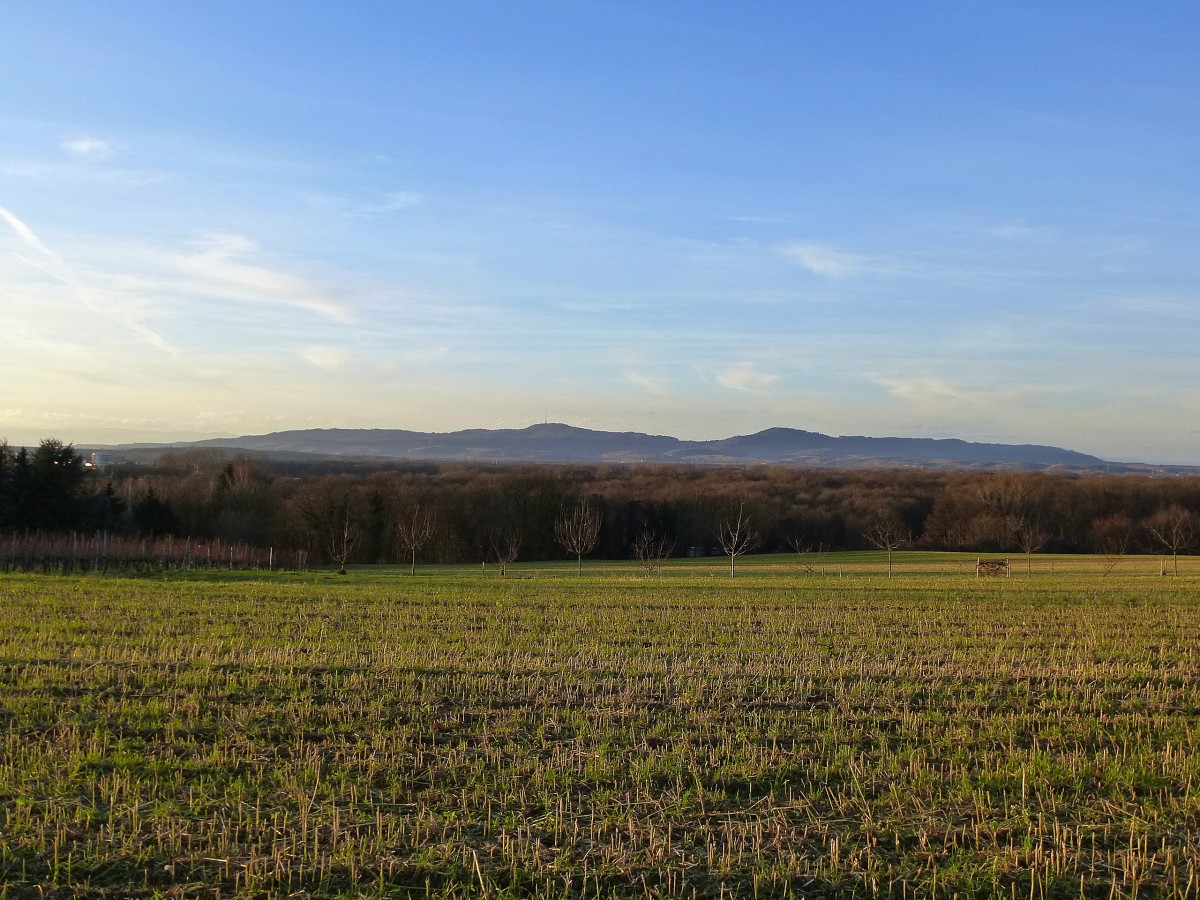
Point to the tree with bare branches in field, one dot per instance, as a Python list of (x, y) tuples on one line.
[(504, 544), (811, 554), (1111, 536), (737, 537), (650, 549), (577, 530), (412, 530), (1174, 528), (889, 535), (1030, 538)]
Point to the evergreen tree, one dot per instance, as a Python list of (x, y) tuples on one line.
[(8, 510), (103, 510), (153, 516), (55, 487)]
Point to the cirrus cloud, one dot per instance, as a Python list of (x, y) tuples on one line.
[(93, 292), (745, 376), (652, 386), (933, 394), (24, 233), (90, 148), (393, 202), (221, 263), (825, 261), (329, 358)]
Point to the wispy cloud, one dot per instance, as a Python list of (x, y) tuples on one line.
[(25, 233), (1019, 231), (933, 392), (825, 261), (221, 263), (645, 382), (91, 148), (1185, 308), (64, 172), (761, 220), (745, 376), (112, 307), (597, 307), (329, 358), (393, 202)]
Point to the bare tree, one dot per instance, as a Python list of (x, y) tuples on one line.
[(503, 514), (811, 553), (342, 536), (328, 511), (737, 537), (889, 535), (1111, 535), (1113, 550), (578, 530), (1031, 539), (1174, 528), (650, 549), (413, 532), (505, 545)]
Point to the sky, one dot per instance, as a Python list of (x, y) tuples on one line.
[(960, 219)]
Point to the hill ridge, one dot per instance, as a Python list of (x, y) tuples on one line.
[(562, 443)]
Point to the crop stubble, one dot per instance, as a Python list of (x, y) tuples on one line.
[(551, 737)]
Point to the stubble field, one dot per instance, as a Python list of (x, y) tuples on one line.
[(682, 735)]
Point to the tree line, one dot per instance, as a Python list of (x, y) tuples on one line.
[(493, 514)]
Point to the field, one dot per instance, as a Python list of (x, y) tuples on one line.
[(616, 735)]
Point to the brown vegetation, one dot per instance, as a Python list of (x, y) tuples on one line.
[(455, 512)]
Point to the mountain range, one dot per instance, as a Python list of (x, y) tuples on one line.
[(568, 444)]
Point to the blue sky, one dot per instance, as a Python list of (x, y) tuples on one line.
[(967, 219)]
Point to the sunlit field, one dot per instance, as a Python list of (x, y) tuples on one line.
[(1078, 567), (810, 728)]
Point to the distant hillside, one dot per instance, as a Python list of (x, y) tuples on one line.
[(565, 443)]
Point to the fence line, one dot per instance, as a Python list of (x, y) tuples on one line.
[(103, 551)]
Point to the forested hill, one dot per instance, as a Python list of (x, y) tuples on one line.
[(325, 508), (565, 443)]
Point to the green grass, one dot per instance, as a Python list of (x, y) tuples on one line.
[(545, 735), (907, 564)]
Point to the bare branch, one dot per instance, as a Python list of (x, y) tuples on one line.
[(1174, 528), (737, 537), (1030, 538), (578, 530), (505, 545), (889, 535), (413, 530), (811, 553), (651, 549), (342, 537)]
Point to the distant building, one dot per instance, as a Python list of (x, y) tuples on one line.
[(100, 460)]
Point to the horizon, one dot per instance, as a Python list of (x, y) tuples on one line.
[(141, 445), (115, 441), (972, 221)]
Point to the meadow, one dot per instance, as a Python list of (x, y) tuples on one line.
[(454, 733)]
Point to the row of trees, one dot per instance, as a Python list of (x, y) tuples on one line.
[(45, 490), (492, 514)]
